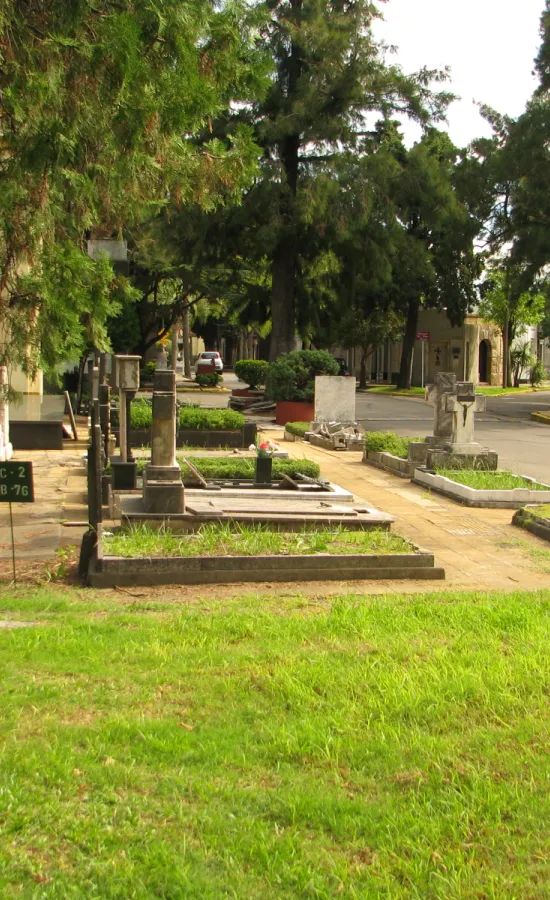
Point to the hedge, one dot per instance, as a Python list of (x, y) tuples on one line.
[(292, 375), (210, 419), (298, 429)]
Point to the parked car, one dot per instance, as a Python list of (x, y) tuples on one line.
[(207, 359)]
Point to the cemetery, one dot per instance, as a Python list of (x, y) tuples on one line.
[(274, 511), (333, 528)]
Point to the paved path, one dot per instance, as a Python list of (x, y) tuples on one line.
[(479, 548), (522, 444), (42, 527)]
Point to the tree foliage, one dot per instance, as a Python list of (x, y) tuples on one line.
[(99, 103)]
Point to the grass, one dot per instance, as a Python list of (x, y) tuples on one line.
[(267, 746), (490, 481), (298, 429), (388, 442), (543, 511), (141, 541), (419, 391), (239, 468)]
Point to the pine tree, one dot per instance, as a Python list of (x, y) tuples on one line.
[(330, 77)]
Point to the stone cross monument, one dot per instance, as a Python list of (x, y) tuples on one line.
[(162, 484), (452, 444)]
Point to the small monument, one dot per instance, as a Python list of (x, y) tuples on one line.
[(124, 468), (452, 444), (335, 427), (162, 484)]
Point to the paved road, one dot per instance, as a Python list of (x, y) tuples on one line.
[(523, 445)]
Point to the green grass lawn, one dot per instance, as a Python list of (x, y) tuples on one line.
[(419, 391), (490, 481), (274, 746), (226, 539)]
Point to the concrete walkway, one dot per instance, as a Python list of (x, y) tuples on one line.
[(42, 527), (479, 548)]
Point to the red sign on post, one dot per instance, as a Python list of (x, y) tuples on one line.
[(423, 336)]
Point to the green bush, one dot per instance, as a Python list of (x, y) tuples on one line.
[(292, 375), (208, 379), (537, 374), (388, 442), (298, 428), (147, 371), (252, 371), (141, 413), (244, 468), (210, 419)]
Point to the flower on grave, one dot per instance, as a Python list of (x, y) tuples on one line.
[(267, 448)]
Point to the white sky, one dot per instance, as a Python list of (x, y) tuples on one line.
[(490, 46)]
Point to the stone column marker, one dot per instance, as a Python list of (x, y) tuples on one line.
[(162, 485)]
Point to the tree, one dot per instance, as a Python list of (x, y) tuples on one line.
[(435, 265), (99, 103), (369, 332), (330, 76), (510, 310)]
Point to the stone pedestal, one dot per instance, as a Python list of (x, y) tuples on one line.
[(162, 485)]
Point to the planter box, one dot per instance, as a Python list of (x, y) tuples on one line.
[(490, 499), (293, 411), (404, 468), (107, 571), (199, 437), (528, 519)]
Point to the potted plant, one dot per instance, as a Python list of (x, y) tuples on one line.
[(291, 383)]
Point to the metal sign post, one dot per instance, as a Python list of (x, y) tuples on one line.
[(423, 336), (16, 486)]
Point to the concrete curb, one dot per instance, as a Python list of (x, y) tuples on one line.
[(109, 571), (541, 417), (489, 499), (527, 519)]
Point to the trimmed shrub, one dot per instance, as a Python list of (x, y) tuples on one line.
[(292, 375), (245, 468), (208, 379), (388, 442), (210, 419), (298, 428), (147, 372), (252, 371)]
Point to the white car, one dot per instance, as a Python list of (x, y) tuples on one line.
[(207, 359)]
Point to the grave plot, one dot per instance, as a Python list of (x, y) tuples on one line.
[(535, 519), (237, 552), (285, 524), (335, 427), (492, 490)]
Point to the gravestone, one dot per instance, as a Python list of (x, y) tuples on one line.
[(162, 485), (124, 467), (453, 443), (335, 427), (334, 399)]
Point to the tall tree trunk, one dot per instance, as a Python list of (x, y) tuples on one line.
[(405, 371), (363, 368), (282, 298), (186, 335)]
